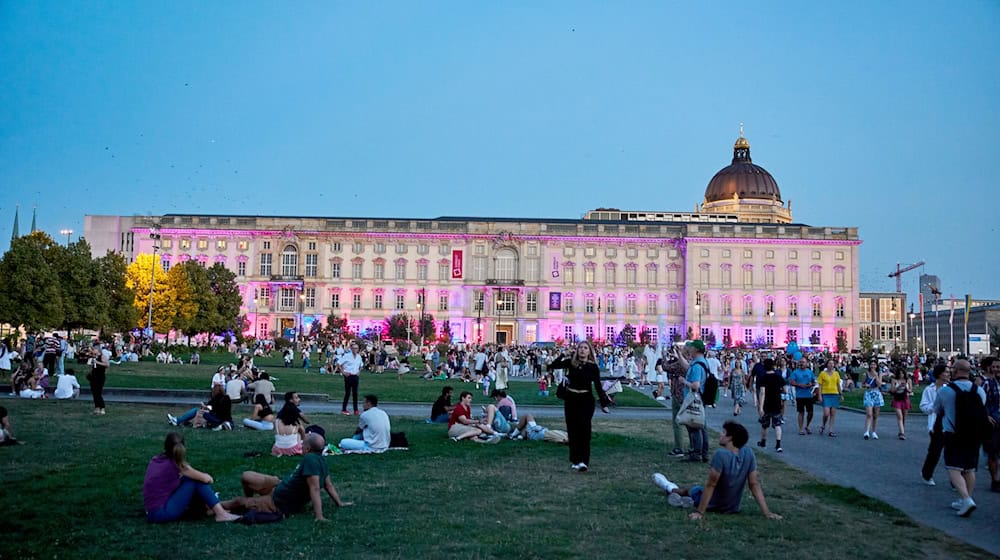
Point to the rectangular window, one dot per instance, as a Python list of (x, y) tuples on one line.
[(569, 275), (609, 276), (241, 268), (166, 265), (531, 302), (311, 246), (611, 306), (705, 331), (651, 307), (816, 281), (568, 333), (747, 278), (220, 245), (336, 246), (310, 298), (401, 248), (400, 271), (265, 264), (630, 307), (588, 276), (443, 272), (423, 249), (443, 302), (377, 301), (793, 254), (532, 250), (727, 278), (727, 307), (703, 276), (630, 275), (289, 264), (839, 255), (531, 268), (588, 331), (651, 276), (747, 254), (793, 334), (748, 308), (202, 244), (588, 305), (312, 264), (727, 337), (358, 248), (631, 252), (748, 336), (590, 252), (769, 337), (652, 253), (610, 252), (400, 301), (335, 270), (478, 301), (335, 301), (567, 304), (380, 248), (817, 309), (286, 301), (421, 272), (816, 337), (379, 271), (609, 333), (673, 278), (840, 309), (815, 255), (355, 301), (769, 278), (444, 250), (479, 268), (480, 249), (838, 279), (793, 309), (793, 278), (769, 307), (356, 271), (866, 310), (769, 254), (166, 243), (242, 245)]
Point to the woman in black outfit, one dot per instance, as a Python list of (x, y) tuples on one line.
[(582, 373), (97, 378)]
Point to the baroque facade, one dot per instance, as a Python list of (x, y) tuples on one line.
[(736, 269)]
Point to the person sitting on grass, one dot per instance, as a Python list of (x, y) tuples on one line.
[(262, 417), (289, 427), (217, 413), (172, 486), (269, 494), (373, 428), (527, 428), (733, 467), (461, 425), (442, 407), (67, 387), (263, 386), (6, 430), (28, 386)]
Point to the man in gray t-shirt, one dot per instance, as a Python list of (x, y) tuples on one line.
[(733, 467)]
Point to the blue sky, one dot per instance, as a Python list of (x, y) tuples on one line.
[(880, 115)]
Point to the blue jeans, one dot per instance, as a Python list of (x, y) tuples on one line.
[(180, 501), (441, 418), (699, 442), (354, 444), (187, 416)]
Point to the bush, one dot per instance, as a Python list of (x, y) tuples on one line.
[(280, 343)]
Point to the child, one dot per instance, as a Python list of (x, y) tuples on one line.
[(543, 386), (486, 385)]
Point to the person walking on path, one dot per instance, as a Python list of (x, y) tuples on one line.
[(991, 386), (961, 444), (941, 376), (772, 388), (901, 390), (350, 366), (581, 374), (873, 400), (804, 382), (830, 392)]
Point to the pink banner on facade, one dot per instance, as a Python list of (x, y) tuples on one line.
[(456, 263)]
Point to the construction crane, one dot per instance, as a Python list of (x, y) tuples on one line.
[(898, 274)]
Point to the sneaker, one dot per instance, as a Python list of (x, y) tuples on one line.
[(217, 428), (677, 452), (583, 468), (676, 500), (957, 504), (779, 450), (575, 466), (874, 435), (866, 436), (514, 434), (453, 438), (762, 444), (171, 419), (967, 507), (227, 425), (928, 481), (662, 483), (357, 412), (345, 413), (693, 459)]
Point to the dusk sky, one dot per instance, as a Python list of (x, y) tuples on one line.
[(880, 115)]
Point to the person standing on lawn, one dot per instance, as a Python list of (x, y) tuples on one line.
[(581, 374), (695, 381), (961, 450), (269, 494), (98, 376), (172, 485), (772, 388), (676, 368), (733, 467), (350, 366), (941, 375), (873, 400)]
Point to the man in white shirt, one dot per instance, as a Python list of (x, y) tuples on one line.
[(714, 365), (235, 389), (649, 370), (941, 378), (373, 429), (67, 387), (480, 362), (350, 366)]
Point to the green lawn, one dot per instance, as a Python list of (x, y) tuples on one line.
[(74, 491), (855, 399), (388, 388)]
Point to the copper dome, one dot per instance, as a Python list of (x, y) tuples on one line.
[(742, 178)]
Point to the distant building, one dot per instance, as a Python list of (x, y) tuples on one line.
[(883, 314), (736, 270), (930, 289), (941, 332)]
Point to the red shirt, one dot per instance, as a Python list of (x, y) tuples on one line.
[(460, 410)]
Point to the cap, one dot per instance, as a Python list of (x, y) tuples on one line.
[(699, 344)]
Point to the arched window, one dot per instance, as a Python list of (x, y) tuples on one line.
[(506, 265), (289, 261)]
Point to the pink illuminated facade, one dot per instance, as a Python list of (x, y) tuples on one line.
[(510, 280)]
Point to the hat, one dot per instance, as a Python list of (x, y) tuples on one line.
[(698, 344)]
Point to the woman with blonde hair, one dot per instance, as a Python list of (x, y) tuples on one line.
[(172, 485), (582, 373)]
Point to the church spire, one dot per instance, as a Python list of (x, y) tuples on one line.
[(15, 234), (34, 211)]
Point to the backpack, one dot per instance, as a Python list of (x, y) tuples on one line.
[(398, 439), (972, 425)]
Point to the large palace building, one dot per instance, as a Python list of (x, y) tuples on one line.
[(737, 268)]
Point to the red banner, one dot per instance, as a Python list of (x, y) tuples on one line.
[(456, 263)]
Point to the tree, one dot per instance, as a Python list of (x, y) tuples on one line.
[(727, 340), (111, 272), (627, 334), (814, 339), (227, 298), (644, 336), (759, 343), (445, 336), (29, 291), (185, 302), (336, 324), (85, 301), (396, 326), (425, 326), (204, 317), (866, 341), (173, 303), (842, 342)]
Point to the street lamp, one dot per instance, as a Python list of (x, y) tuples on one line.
[(420, 322), (480, 301), (154, 234), (302, 313), (697, 305), (67, 233), (770, 320)]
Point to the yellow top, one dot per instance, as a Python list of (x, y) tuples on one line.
[(829, 382)]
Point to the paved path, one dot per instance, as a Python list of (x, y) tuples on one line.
[(887, 469)]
